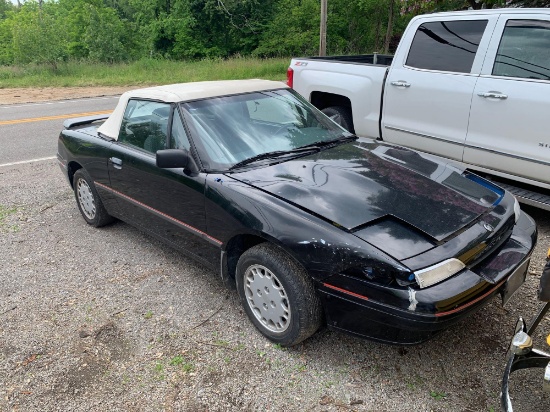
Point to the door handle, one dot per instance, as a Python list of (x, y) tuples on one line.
[(117, 163), (493, 95), (400, 83)]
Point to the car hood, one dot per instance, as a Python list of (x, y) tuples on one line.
[(364, 183)]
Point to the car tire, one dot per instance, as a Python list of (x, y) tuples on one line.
[(277, 295), (340, 115), (88, 200)]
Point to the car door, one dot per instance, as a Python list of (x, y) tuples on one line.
[(168, 203), (508, 129), (429, 89)]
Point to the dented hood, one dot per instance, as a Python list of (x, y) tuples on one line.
[(360, 183)]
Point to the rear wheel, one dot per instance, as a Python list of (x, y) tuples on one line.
[(340, 115), (277, 295), (88, 200)]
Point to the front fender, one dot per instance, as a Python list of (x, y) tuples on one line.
[(234, 208)]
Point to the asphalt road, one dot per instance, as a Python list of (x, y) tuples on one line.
[(110, 319), (29, 131)]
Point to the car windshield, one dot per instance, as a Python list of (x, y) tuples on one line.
[(231, 130)]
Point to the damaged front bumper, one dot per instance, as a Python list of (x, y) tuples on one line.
[(407, 316)]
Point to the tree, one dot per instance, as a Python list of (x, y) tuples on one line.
[(5, 6), (38, 35), (389, 28), (415, 7), (529, 3), (105, 36), (294, 29)]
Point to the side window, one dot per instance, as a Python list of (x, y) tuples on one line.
[(449, 46), (178, 137), (524, 50), (145, 125)]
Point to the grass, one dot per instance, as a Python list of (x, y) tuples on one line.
[(159, 371), (438, 395), (142, 73), (182, 363), (4, 213)]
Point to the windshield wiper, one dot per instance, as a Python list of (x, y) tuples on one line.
[(274, 155), (333, 142)]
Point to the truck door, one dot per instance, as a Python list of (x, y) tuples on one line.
[(509, 123), (430, 84)]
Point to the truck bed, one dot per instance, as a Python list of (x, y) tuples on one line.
[(381, 59)]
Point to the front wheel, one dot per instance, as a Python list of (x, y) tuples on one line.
[(88, 200), (340, 115), (277, 295)]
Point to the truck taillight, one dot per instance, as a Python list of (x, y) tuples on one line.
[(290, 77)]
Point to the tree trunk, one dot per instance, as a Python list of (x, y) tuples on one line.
[(474, 5), (389, 31), (323, 29), (377, 32)]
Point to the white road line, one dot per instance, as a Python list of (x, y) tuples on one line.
[(28, 161), (7, 106)]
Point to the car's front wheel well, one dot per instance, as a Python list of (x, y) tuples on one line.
[(236, 247), (72, 167)]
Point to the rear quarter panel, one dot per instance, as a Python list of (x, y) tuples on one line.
[(83, 148), (360, 83)]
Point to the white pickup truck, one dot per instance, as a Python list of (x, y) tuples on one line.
[(470, 86)]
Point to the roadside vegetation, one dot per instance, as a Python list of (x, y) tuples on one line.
[(142, 72), (135, 42)]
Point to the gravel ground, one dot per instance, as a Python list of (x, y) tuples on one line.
[(110, 319)]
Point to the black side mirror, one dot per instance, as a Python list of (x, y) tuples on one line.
[(172, 158)]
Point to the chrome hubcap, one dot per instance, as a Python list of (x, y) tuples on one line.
[(267, 298), (85, 198)]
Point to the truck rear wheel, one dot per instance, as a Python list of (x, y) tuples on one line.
[(340, 115)]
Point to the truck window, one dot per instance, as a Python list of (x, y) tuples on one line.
[(524, 50), (446, 45)]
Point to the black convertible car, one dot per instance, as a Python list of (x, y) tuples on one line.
[(311, 223)]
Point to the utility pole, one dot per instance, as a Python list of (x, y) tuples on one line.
[(389, 30), (323, 29)]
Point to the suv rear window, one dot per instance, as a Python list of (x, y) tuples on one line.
[(446, 45)]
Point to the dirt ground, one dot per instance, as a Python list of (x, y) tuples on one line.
[(41, 94)]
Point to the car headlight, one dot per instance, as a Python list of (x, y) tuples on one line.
[(380, 273), (517, 209), (438, 272)]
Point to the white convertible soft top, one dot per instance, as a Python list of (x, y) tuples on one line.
[(182, 92)]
